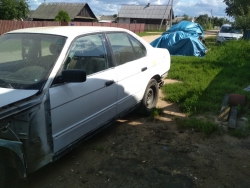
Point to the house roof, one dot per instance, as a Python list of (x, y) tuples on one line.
[(29, 15), (145, 11), (50, 10)]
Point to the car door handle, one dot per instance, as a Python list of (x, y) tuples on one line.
[(110, 82), (144, 68)]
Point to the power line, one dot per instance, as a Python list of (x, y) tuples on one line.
[(165, 13)]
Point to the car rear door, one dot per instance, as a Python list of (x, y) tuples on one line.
[(131, 69), (79, 108)]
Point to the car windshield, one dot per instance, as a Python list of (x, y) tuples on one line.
[(27, 59), (229, 29)]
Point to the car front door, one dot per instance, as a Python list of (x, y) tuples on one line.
[(131, 68), (79, 108)]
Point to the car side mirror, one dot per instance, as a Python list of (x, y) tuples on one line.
[(73, 76)]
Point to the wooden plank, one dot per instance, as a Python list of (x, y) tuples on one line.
[(225, 100), (224, 113), (233, 117)]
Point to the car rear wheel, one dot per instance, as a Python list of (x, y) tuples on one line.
[(150, 98)]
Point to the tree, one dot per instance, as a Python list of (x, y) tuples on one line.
[(186, 17), (62, 16), (205, 21), (237, 7), (202, 19), (219, 21), (22, 9), (12, 9), (209, 22), (240, 10), (243, 21)]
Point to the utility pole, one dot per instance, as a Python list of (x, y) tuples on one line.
[(164, 14), (211, 15), (171, 14)]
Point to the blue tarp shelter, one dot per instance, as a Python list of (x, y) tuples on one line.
[(182, 39)]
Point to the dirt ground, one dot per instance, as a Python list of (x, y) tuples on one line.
[(138, 152), (151, 38)]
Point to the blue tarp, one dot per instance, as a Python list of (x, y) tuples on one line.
[(182, 39), (187, 27)]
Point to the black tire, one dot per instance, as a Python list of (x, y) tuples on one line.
[(150, 98)]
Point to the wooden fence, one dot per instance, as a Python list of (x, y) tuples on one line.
[(155, 27), (9, 25)]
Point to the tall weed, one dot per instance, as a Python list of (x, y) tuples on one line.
[(206, 127), (205, 81)]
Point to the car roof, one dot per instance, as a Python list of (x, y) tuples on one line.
[(67, 31), (226, 25)]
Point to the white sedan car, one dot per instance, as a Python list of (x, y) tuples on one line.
[(60, 85), (227, 33)]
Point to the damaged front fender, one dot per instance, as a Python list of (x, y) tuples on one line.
[(12, 152)]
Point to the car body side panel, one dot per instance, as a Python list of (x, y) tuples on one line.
[(160, 58), (9, 96), (78, 108), (132, 77), (131, 81)]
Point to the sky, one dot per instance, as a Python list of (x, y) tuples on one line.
[(192, 8)]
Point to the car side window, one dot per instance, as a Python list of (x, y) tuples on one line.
[(122, 48), (140, 50), (89, 54)]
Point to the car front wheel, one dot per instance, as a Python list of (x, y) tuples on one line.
[(150, 98)]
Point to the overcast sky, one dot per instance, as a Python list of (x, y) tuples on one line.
[(110, 7)]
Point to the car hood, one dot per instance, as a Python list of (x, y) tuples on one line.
[(9, 96), (234, 35)]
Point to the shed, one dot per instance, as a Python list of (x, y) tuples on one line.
[(106, 18), (76, 11), (148, 14)]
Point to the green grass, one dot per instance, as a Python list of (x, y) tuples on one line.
[(210, 42), (205, 81), (210, 39), (204, 126), (156, 112), (149, 33), (243, 132)]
